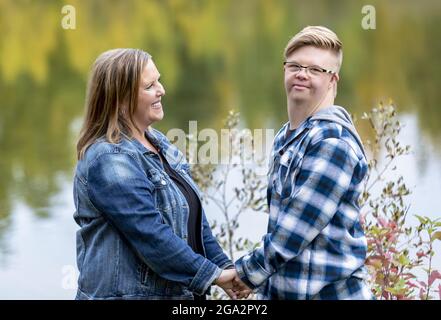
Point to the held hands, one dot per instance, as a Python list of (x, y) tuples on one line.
[(230, 282)]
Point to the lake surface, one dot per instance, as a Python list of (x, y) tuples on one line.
[(214, 56)]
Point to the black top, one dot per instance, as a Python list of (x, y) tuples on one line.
[(194, 205)]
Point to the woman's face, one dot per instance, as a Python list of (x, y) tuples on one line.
[(149, 108)]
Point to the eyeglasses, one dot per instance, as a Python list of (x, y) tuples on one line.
[(311, 70)]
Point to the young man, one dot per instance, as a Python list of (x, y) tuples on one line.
[(315, 247)]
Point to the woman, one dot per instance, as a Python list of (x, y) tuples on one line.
[(143, 232)]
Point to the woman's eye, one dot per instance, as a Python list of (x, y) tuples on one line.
[(149, 86)]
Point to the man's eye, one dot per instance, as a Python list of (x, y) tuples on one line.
[(294, 66), (315, 70)]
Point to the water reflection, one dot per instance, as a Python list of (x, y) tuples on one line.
[(213, 56)]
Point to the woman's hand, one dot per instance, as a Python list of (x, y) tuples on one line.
[(230, 282)]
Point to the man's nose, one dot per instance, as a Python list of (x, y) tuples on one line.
[(301, 74)]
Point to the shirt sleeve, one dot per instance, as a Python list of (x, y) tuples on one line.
[(321, 183), (119, 188)]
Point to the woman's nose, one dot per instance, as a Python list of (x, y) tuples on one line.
[(161, 91)]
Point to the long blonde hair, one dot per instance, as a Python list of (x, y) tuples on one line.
[(112, 97)]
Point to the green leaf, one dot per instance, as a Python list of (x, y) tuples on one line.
[(403, 260), (437, 235), (422, 220)]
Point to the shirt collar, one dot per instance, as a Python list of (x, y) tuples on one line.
[(288, 136)]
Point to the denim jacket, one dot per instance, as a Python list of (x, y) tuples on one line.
[(132, 241)]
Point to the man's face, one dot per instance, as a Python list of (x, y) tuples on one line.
[(303, 86)]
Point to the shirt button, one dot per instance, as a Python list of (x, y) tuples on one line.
[(163, 182)]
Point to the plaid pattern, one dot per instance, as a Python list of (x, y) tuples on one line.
[(315, 247)]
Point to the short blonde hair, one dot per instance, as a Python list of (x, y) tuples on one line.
[(317, 36)]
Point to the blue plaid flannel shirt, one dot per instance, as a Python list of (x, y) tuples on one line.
[(315, 247)]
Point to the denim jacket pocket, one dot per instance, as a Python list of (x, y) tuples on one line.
[(144, 271), (155, 285), (157, 178), (164, 200)]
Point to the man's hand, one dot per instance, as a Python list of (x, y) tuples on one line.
[(241, 289), (230, 282)]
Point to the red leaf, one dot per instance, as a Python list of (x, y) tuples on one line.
[(393, 250), (433, 276), (422, 297), (392, 237), (388, 256), (411, 284), (408, 275), (382, 222)]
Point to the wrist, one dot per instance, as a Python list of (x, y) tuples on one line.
[(216, 277)]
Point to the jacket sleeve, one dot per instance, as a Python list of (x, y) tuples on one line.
[(121, 191), (213, 250), (323, 179)]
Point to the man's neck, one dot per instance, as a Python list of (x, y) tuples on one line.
[(299, 111)]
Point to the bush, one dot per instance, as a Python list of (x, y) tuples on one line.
[(395, 251)]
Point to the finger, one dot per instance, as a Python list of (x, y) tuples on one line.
[(241, 287), (225, 284), (232, 294), (239, 283), (243, 294)]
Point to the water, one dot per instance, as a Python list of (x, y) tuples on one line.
[(41, 252), (213, 57)]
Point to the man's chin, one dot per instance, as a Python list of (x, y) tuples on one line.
[(299, 98)]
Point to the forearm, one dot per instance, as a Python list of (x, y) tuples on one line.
[(214, 251)]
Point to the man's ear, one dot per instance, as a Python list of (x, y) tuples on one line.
[(334, 80), (333, 83)]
